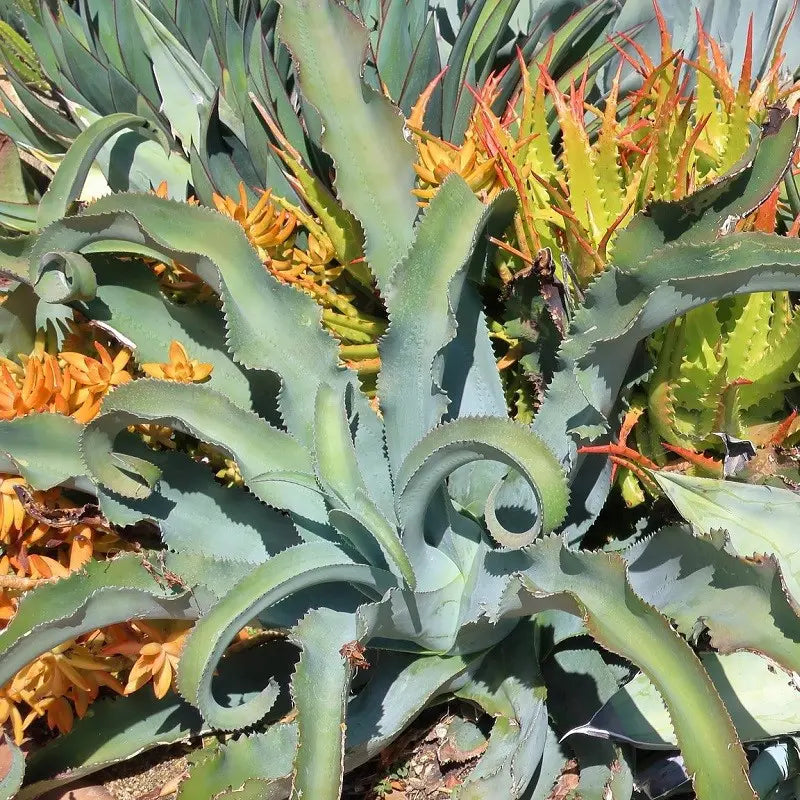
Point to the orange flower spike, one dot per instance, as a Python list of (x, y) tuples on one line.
[(622, 452), (266, 227), (179, 368), (783, 430), (158, 658), (12, 510), (663, 31), (417, 115), (9, 712)]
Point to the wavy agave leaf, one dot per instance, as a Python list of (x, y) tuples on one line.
[(763, 702), (258, 449), (697, 582), (11, 174), (579, 679), (68, 181), (715, 208), (103, 593), (374, 174), (284, 574), (12, 780), (43, 448), (462, 441), (510, 688), (321, 688), (336, 461), (774, 765), (422, 317), (740, 509), (259, 757), (184, 87), (619, 620), (114, 730), (400, 686), (18, 321), (197, 514), (129, 300), (294, 346)]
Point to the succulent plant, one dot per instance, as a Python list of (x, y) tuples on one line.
[(411, 549), (351, 530)]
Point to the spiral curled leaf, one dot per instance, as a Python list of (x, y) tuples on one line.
[(471, 439), (65, 276), (283, 575), (258, 448)]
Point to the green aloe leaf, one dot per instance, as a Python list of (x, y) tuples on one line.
[(762, 699), (362, 130)]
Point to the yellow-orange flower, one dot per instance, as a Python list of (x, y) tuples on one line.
[(10, 713), (157, 650), (38, 384), (438, 159), (69, 672), (94, 378), (179, 368), (268, 228)]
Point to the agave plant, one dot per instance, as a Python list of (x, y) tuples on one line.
[(411, 549)]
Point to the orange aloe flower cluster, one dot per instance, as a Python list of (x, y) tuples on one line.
[(438, 158), (272, 225), (71, 383), (44, 536)]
